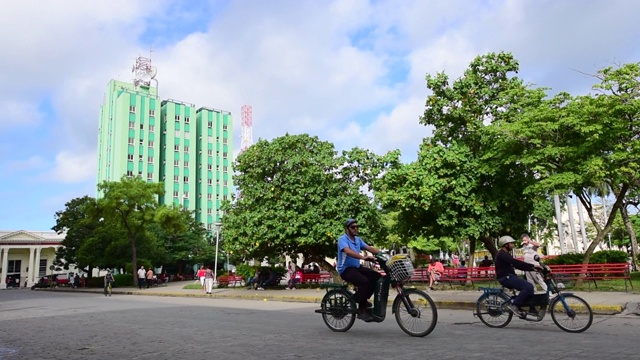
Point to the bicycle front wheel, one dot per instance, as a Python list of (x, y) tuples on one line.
[(491, 312), (571, 313), (419, 316), (338, 310)]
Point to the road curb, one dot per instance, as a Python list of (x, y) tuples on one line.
[(597, 309)]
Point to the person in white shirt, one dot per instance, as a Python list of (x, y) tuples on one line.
[(141, 275), (530, 251)]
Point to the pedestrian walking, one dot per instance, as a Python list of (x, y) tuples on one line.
[(141, 274)]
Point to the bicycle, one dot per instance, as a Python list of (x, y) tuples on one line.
[(569, 312), (107, 289), (414, 310)]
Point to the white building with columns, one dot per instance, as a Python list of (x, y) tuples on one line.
[(26, 256)]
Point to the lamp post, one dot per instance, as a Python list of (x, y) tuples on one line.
[(215, 266)]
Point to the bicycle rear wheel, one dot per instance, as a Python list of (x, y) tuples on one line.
[(491, 312), (338, 310), (420, 318), (575, 317)]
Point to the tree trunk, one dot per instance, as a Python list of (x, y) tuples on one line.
[(632, 235), (471, 263), (490, 245), (134, 258)]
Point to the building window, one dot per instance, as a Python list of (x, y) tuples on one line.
[(209, 124), (208, 211), (149, 176), (225, 183), (186, 164), (224, 127), (175, 194), (186, 179), (210, 139), (141, 126), (132, 125), (186, 194), (139, 157), (186, 120), (14, 266), (129, 173), (152, 128), (224, 169), (210, 152), (176, 162), (186, 148), (150, 159), (152, 113), (209, 196), (176, 147), (176, 178), (224, 140), (177, 133), (224, 154), (132, 109), (186, 134), (130, 157), (209, 182), (130, 141), (209, 167), (150, 143), (177, 117)]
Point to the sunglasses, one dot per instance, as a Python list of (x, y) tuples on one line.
[(353, 226)]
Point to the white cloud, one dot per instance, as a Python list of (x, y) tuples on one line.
[(18, 113), (73, 167)]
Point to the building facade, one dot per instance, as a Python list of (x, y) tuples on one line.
[(26, 256), (186, 148)]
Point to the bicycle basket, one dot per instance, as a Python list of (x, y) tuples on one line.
[(400, 268)]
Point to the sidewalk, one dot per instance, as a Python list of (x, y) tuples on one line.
[(604, 303)]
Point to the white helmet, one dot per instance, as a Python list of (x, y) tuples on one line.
[(505, 240)]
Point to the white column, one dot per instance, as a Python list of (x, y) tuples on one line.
[(5, 263), (36, 268), (31, 266)]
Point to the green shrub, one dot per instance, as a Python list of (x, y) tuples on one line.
[(565, 259), (123, 280), (609, 257), (246, 271)]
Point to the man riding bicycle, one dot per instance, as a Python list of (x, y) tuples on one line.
[(506, 275), (349, 247), (108, 280)]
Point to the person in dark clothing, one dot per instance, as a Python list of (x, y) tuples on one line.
[(506, 275)]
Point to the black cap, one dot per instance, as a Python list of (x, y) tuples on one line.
[(349, 222)]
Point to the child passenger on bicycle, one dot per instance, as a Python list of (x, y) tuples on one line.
[(349, 247), (506, 275)]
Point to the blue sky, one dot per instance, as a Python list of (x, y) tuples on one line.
[(351, 71)]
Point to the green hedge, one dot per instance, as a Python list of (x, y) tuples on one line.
[(600, 257)]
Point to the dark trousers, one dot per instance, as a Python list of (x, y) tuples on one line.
[(140, 282), (365, 279), (520, 284)]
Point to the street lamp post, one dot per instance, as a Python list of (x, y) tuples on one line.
[(215, 266)]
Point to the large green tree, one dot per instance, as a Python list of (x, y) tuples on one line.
[(132, 204), (459, 189), (578, 144), (295, 193)]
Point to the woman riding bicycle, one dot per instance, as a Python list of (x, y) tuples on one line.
[(349, 247), (506, 275)]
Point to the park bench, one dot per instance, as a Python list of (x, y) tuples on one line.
[(228, 280), (308, 278), (463, 275), (593, 272)]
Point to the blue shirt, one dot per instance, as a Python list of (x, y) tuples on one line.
[(344, 260)]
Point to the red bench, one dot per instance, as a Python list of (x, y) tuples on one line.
[(227, 280), (464, 275), (593, 272), (315, 278)]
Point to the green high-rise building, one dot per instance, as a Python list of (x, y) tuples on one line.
[(187, 149)]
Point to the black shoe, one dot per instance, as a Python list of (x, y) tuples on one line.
[(365, 316)]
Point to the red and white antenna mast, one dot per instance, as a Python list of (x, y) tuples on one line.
[(247, 128)]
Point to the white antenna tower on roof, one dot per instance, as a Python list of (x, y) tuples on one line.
[(247, 128), (143, 72)]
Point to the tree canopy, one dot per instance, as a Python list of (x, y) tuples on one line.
[(295, 193)]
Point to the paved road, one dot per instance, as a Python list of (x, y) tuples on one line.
[(57, 325)]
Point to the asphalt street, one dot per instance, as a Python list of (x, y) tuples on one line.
[(58, 325)]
